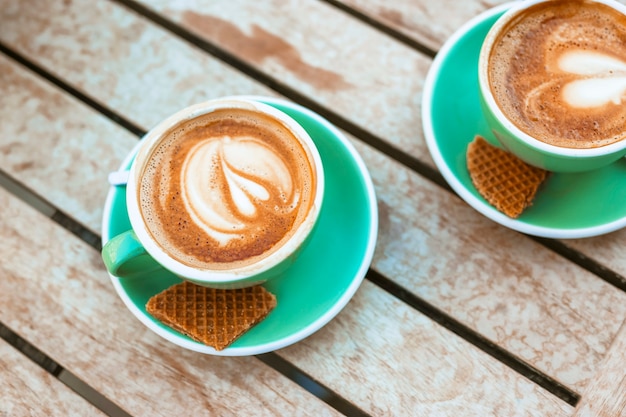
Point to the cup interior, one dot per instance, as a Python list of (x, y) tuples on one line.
[(246, 273)]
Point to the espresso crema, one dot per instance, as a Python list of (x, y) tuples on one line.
[(226, 189), (558, 72)]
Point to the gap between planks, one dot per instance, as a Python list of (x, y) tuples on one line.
[(62, 374), (387, 30)]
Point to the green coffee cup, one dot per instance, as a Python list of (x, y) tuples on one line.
[(231, 184), (576, 89)]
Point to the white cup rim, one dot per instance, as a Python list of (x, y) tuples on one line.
[(483, 81), (221, 276)]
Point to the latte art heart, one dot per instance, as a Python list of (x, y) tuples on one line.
[(227, 183), (227, 189), (585, 79), (602, 79)]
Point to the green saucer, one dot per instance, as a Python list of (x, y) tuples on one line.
[(328, 271), (566, 206)]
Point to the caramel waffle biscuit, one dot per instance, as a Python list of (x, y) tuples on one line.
[(506, 182), (211, 316)]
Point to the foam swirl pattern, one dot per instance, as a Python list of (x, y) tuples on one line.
[(226, 183)]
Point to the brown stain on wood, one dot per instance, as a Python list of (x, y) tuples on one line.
[(23, 166), (397, 18), (261, 45), (392, 15)]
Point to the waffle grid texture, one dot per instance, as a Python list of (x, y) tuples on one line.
[(505, 181), (215, 317)]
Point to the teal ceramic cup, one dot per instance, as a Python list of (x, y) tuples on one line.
[(137, 252), (523, 145)]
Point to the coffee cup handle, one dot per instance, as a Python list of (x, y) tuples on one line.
[(125, 257)]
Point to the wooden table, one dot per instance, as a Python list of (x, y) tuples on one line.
[(457, 314)]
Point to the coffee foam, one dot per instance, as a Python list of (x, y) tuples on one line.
[(226, 189), (558, 72), (224, 180), (604, 82)]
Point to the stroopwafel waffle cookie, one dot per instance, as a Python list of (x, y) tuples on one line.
[(211, 316), (506, 182)]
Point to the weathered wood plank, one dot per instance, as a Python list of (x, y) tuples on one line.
[(373, 81), (402, 363), (28, 390), (562, 323), (608, 250), (529, 300), (104, 47), (605, 396), (56, 294), (425, 22), (149, 376), (428, 23), (47, 148)]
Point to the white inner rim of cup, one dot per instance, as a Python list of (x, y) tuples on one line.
[(483, 81), (152, 140)]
